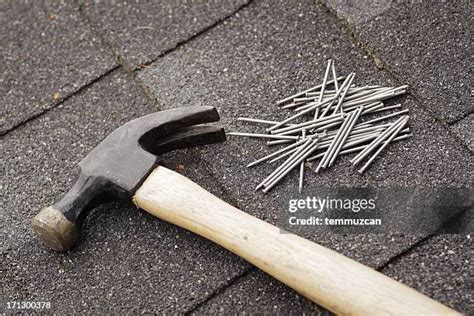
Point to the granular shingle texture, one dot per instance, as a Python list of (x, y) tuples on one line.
[(47, 52), (440, 268), (464, 129), (425, 43), (142, 30), (257, 292)]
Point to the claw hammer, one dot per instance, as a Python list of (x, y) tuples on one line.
[(124, 167)]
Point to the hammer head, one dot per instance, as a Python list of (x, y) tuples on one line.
[(115, 169)]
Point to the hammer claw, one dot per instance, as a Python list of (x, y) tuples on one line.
[(186, 137)]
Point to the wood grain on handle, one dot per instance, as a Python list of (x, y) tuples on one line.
[(329, 279)]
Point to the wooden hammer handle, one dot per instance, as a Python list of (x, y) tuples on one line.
[(327, 278)]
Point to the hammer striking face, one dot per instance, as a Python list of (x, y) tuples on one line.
[(120, 163)]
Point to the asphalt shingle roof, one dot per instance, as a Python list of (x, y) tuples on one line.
[(128, 261), (47, 52)]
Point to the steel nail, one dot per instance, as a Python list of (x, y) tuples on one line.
[(323, 161), (378, 119), (303, 92), (349, 144), (289, 160), (321, 94), (276, 153), (341, 99), (300, 186), (297, 115), (303, 124), (346, 134), (283, 155), (385, 144), (356, 149), (396, 106), (253, 120), (334, 75), (377, 141), (278, 142), (358, 95), (308, 125), (263, 135), (290, 167), (340, 137), (344, 84), (378, 97), (370, 108)]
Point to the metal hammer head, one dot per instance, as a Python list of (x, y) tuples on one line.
[(120, 163)]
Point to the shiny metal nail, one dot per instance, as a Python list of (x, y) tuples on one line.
[(301, 157), (276, 153), (345, 135), (385, 144), (253, 120), (377, 141), (300, 184), (275, 173), (282, 101), (344, 84), (333, 67), (378, 119), (343, 95), (321, 94), (263, 135), (334, 141), (297, 115)]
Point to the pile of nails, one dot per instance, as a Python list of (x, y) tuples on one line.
[(327, 121)]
